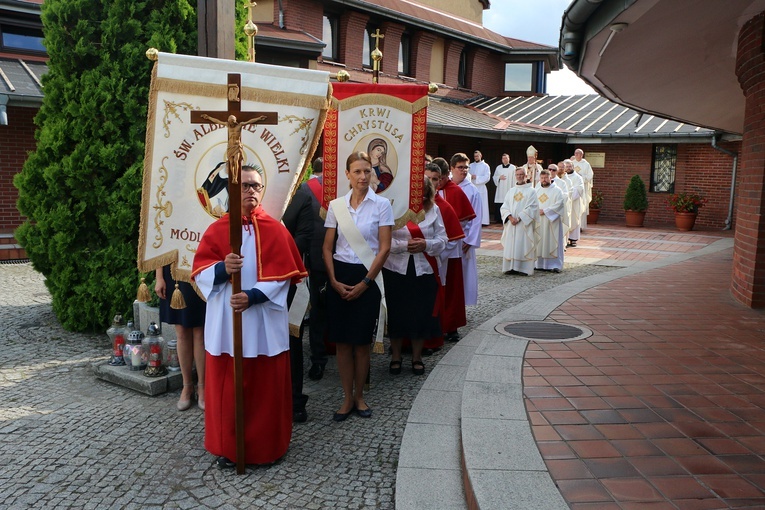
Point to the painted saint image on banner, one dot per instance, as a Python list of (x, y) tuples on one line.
[(384, 161), (212, 191)]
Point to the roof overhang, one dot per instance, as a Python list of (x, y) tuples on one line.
[(672, 58), (452, 27)]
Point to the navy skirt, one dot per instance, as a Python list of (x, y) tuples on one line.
[(352, 322), (410, 299), (193, 316)]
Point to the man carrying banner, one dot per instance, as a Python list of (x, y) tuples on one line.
[(269, 262)]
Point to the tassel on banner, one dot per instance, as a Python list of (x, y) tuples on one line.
[(379, 348), (143, 296), (177, 302)]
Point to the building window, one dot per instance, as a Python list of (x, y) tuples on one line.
[(462, 73), (330, 38), (663, 168), (403, 55), (519, 77), (367, 47), (26, 39)]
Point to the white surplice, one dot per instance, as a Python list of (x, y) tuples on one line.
[(482, 173), (549, 227), (472, 230), (576, 183), (518, 241)]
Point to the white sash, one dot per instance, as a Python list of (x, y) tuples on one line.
[(299, 306), (362, 250)]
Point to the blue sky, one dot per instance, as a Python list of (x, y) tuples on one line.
[(536, 21)]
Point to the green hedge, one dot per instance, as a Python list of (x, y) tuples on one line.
[(80, 189)]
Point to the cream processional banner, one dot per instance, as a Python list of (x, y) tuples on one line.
[(185, 177), (389, 123)]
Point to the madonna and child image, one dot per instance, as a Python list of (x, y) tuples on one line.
[(384, 161)]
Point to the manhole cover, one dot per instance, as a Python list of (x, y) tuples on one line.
[(542, 331)]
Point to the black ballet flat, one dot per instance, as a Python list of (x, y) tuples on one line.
[(225, 463), (342, 416), (364, 413)]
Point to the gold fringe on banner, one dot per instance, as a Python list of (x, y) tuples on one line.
[(143, 295), (379, 348), (177, 302)]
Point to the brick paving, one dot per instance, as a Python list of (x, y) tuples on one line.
[(663, 406)]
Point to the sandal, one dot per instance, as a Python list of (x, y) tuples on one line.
[(418, 368), (395, 367)]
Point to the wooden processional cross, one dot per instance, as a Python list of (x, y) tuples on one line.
[(234, 119)]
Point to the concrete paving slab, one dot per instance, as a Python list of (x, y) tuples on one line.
[(436, 407), (499, 369), (459, 355), (417, 489), (506, 490), (499, 445), (501, 345), (430, 446), (496, 401), (446, 377)]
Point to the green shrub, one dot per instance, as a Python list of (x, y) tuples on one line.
[(635, 198), (80, 189)]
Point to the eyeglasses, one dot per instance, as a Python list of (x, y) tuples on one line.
[(255, 186)]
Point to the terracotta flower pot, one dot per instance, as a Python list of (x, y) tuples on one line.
[(592, 216), (634, 218), (684, 221)]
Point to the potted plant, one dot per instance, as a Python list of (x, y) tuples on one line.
[(635, 202), (686, 207), (595, 205)]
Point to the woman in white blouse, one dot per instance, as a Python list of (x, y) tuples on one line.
[(412, 283), (353, 298)]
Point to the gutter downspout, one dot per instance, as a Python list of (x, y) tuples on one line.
[(734, 155), (281, 15)]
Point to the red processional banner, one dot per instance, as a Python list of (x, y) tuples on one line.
[(389, 123)]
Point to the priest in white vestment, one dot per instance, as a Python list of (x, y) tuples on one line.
[(584, 169), (531, 167), (549, 226), (268, 264), (519, 214), (480, 173), (562, 184), (459, 169), (576, 183), (504, 177)]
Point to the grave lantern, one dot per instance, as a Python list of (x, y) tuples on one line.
[(171, 357), (155, 349), (133, 352), (116, 333)]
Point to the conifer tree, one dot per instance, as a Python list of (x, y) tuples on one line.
[(80, 189)]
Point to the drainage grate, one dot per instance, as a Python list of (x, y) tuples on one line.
[(14, 261), (543, 331)]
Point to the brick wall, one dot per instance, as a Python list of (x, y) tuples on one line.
[(16, 141), (700, 168), (306, 15), (421, 48), (748, 282), (452, 52), (485, 71), (390, 45), (352, 32)]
